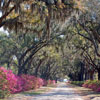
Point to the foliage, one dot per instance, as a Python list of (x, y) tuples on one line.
[(79, 83), (10, 83), (92, 84), (4, 87), (50, 82), (53, 39)]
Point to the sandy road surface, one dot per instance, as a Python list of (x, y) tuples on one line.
[(62, 92)]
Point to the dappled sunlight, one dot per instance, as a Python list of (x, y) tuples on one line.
[(62, 92)]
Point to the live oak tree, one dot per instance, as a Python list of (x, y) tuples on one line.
[(34, 24), (42, 6), (88, 28), (24, 16)]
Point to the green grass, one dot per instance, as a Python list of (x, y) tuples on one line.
[(52, 86), (36, 92), (31, 93)]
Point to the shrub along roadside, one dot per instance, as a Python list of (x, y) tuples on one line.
[(11, 83), (4, 90), (92, 84), (79, 83)]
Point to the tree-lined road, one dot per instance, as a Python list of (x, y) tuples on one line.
[(62, 92)]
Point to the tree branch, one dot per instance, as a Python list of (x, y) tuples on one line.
[(6, 14)]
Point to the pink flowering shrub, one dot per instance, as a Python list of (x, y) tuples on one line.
[(45, 83), (98, 89), (40, 82), (94, 85), (31, 82), (11, 83), (51, 82), (85, 85), (19, 84)]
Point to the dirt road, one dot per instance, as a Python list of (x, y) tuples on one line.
[(62, 92)]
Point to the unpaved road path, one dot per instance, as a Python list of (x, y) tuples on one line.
[(62, 92)]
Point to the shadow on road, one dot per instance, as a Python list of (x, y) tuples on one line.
[(85, 92)]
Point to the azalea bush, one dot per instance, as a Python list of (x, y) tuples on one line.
[(45, 83), (40, 82), (51, 82), (11, 83), (94, 85)]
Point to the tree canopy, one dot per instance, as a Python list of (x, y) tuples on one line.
[(51, 38)]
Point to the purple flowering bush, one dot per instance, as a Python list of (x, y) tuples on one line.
[(11, 83)]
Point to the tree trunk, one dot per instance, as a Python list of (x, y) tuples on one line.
[(22, 65), (86, 75), (37, 68), (91, 75), (82, 72), (98, 74), (8, 65)]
